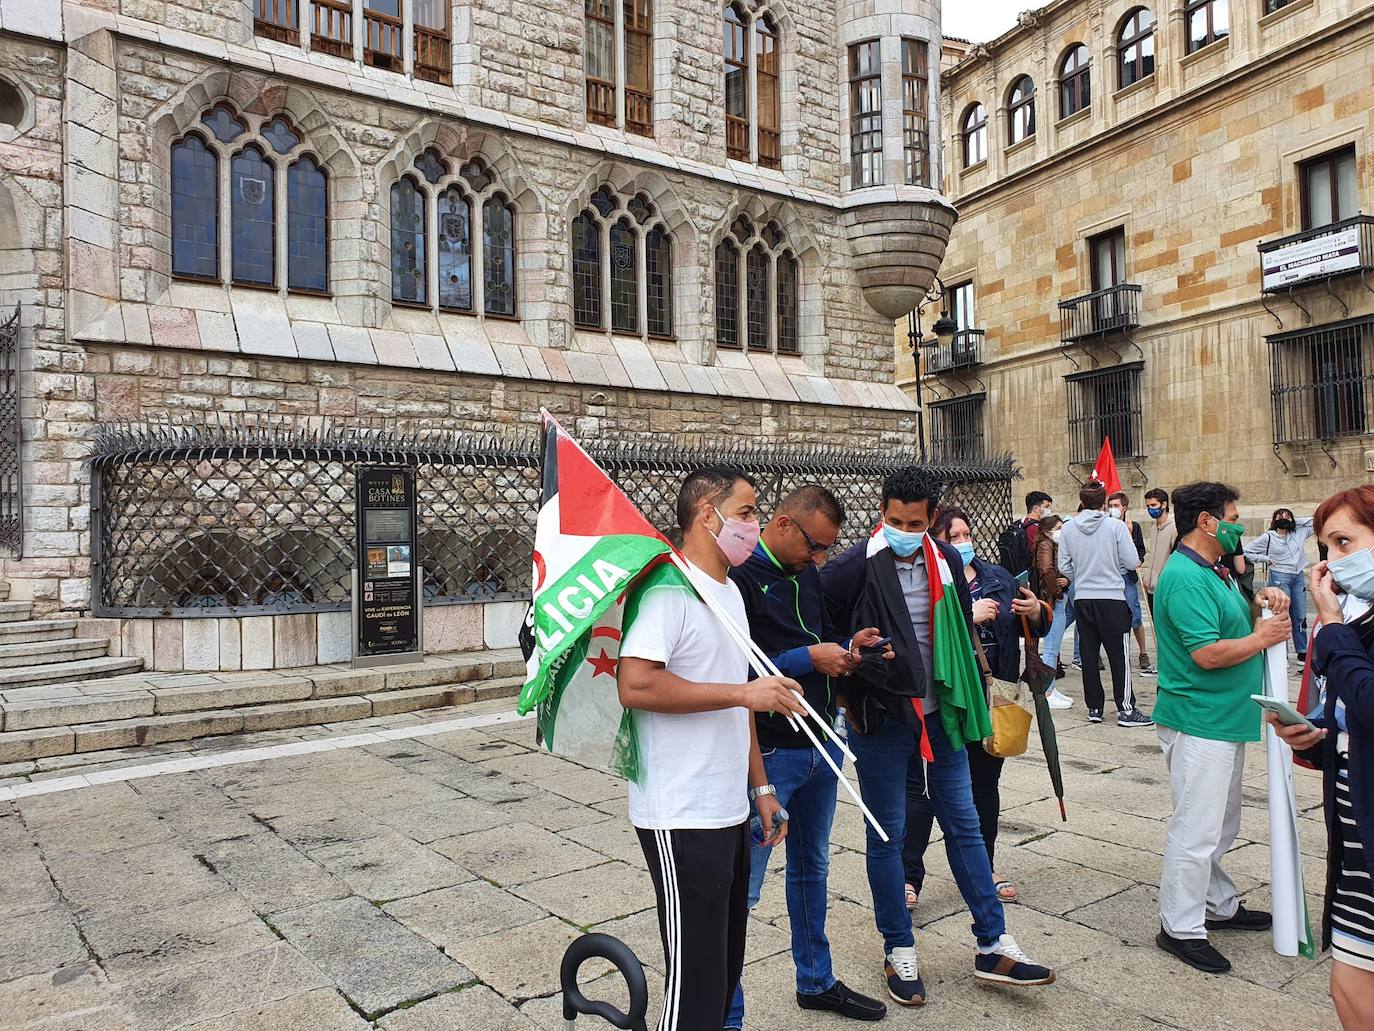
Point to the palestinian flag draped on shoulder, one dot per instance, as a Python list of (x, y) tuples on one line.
[(957, 681), (590, 545)]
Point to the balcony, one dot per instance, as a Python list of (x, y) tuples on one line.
[(1339, 249), (1102, 313), (965, 351)]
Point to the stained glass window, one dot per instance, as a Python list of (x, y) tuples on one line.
[(727, 295), (252, 198), (307, 226), (756, 299), (222, 121), (586, 272), (605, 201), (788, 342), (658, 258), (195, 209), (455, 250), (280, 135), (431, 165), (624, 279), (498, 255), (407, 242)]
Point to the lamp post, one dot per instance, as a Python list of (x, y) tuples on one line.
[(944, 329)]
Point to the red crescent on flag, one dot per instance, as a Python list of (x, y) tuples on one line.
[(540, 570), (606, 631)]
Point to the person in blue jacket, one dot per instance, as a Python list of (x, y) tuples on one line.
[(1343, 745), (998, 605), (781, 587)]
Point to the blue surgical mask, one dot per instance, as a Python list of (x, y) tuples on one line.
[(965, 551), (1354, 574), (903, 542), (1155, 513)]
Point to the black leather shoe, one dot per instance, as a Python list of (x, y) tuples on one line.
[(844, 1001), (1243, 920), (1196, 952)]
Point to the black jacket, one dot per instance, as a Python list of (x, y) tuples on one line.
[(998, 585), (786, 617), (1349, 670), (862, 592)]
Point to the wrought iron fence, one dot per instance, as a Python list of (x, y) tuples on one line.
[(11, 423), (211, 519)]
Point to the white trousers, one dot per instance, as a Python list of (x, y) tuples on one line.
[(1205, 777)]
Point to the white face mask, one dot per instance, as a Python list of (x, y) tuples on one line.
[(1055, 534), (1116, 513)]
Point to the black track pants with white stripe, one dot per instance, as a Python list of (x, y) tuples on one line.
[(701, 878), (1105, 625)]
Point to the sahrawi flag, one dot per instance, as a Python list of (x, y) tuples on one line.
[(590, 545), (957, 682)]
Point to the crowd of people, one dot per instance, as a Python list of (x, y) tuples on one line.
[(879, 640)]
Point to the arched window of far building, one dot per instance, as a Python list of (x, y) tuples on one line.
[(1205, 22), (1021, 110), (456, 223), (620, 245), (973, 129), (753, 93), (228, 153), (757, 289), (1135, 48), (1075, 81)]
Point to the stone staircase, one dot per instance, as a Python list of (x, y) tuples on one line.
[(35, 653), (89, 709)]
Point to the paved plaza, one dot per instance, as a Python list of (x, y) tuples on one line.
[(428, 874)]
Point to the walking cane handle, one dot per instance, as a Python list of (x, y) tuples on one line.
[(603, 946)]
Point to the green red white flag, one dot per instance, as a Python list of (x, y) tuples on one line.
[(957, 681), (591, 544)]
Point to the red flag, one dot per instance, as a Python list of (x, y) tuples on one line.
[(1104, 471)]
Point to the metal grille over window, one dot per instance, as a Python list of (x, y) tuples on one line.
[(11, 422), (865, 115), (956, 429), (915, 108), (1105, 403), (1322, 382), (218, 519)]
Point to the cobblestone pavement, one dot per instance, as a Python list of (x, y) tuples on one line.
[(433, 882)]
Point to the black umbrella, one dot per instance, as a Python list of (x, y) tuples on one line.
[(1038, 677)]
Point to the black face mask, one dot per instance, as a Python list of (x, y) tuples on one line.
[(1285, 524)]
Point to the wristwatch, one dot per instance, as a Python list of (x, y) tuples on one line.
[(766, 789)]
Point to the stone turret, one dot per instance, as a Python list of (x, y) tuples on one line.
[(895, 218)]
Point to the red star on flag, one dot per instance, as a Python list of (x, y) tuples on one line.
[(602, 663)]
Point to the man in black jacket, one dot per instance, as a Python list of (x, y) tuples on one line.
[(888, 581), (782, 595)]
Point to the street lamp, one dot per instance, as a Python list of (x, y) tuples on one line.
[(944, 329)]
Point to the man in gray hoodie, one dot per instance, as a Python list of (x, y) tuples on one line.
[(1095, 554)]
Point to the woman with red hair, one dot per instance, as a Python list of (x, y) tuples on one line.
[(1343, 746)]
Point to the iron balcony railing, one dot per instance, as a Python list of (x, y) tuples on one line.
[(1338, 249), (1099, 314), (965, 351)]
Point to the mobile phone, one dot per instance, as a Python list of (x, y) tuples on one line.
[(878, 645), (1023, 578), (1288, 716)]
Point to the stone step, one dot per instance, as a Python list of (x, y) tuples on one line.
[(43, 653), (27, 630), (66, 672), (15, 611), (38, 742)]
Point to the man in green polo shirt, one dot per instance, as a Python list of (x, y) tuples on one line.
[(1210, 661)]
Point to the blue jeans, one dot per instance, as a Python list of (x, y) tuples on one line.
[(1049, 647), (806, 789), (1291, 584), (1133, 603), (884, 758)]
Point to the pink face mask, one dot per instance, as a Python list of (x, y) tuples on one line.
[(737, 539)]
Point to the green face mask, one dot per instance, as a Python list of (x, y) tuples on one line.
[(1228, 535)]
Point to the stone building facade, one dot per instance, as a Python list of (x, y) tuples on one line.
[(1178, 253), (451, 213)]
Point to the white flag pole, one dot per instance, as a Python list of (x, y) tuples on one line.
[(1285, 863), (753, 654)]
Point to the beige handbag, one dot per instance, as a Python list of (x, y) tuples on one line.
[(1011, 721)]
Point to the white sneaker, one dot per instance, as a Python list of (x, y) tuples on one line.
[(904, 982), (1059, 700)]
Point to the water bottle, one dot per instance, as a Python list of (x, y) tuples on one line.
[(756, 826), (841, 730)]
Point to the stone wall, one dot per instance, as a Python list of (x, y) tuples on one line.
[(1206, 173)]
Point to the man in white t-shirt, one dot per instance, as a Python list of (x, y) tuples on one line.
[(688, 682)]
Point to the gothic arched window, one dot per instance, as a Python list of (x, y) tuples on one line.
[(252, 216), (455, 249), (408, 242), (1021, 110), (307, 226), (757, 299), (498, 255), (622, 244), (195, 209), (586, 272), (753, 93)]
